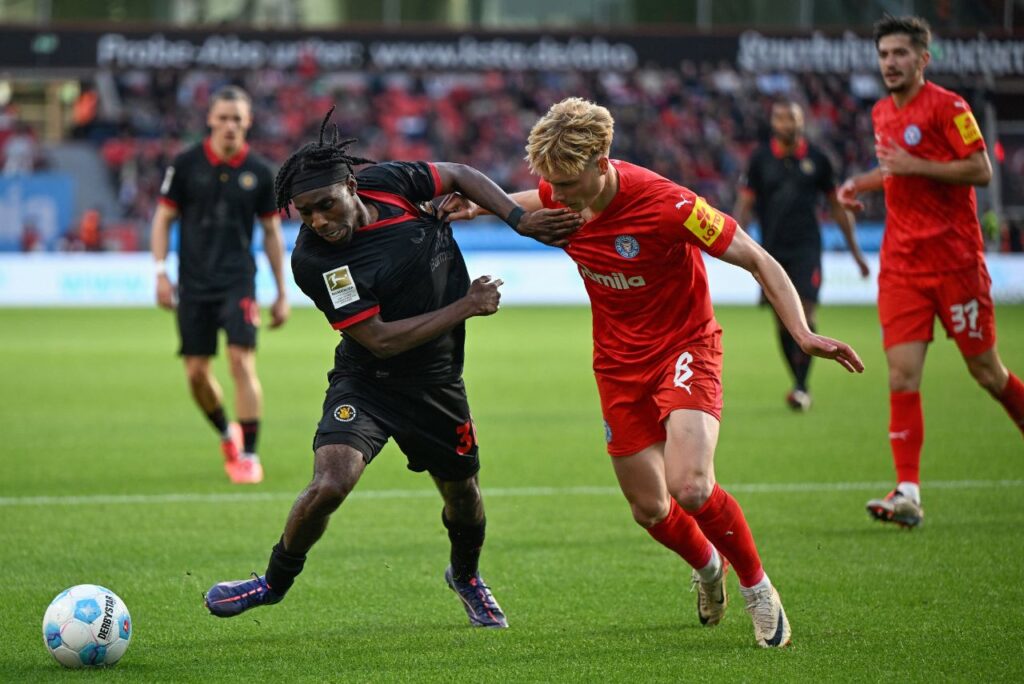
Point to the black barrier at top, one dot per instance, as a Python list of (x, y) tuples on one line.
[(26, 47)]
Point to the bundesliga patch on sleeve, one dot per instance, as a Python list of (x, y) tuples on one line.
[(968, 127), (706, 222), (341, 287)]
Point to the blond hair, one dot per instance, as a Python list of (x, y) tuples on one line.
[(568, 137)]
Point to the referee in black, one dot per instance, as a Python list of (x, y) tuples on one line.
[(216, 190), (783, 184), (377, 257)]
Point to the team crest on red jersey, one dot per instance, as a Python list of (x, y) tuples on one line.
[(627, 246), (911, 135)]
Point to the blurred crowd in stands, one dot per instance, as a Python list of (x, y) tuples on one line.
[(696, 124)]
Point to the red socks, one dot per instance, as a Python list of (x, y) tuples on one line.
[(679, 532), (1012, 399), (906, 434), (721, 520)]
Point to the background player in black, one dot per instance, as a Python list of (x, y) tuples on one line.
[(216, 189), (377, 257), (783, 183)]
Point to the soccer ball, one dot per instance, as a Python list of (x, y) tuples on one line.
[(87, 626)]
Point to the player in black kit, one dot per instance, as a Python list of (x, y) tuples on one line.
[(216, 189), (783, 184), (377, 257)]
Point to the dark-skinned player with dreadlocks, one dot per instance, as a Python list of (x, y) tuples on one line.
[(377, 257)]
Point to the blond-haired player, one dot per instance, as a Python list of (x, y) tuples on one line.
[(657, 346)]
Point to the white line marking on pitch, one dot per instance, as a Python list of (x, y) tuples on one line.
[(749, 488)]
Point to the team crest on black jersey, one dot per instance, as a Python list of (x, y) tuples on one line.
[(247, 180), (807, 166), (345, 413), (627, 246)]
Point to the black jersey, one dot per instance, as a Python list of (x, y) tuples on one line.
[(403, 265), (787, 190), (217, 201)]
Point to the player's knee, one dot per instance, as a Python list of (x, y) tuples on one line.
[(903, 380), (242, 365), (464, 504), (198, 376), (991, 376), (649, 512), (692, 490), (328, 492)]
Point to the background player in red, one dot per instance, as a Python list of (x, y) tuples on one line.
[(785, 179), (215, 189), (657, 351), (930, 153)]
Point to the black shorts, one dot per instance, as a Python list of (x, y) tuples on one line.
[(199, 321), (804, 269), (430, 423)]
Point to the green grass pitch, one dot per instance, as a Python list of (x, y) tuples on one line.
[(94, 404)]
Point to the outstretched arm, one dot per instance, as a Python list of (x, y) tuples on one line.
[(385, 339), (779, 290), (522, 211)]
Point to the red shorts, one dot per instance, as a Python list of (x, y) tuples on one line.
[(635, 401), (908, 305)]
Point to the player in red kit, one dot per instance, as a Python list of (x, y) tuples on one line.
[(930, 154), (657, 346)]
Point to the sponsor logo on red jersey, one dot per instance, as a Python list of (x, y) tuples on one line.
[(616, 281)]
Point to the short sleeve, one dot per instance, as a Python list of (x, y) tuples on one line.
[(691, 218), (960, 128), (343, 292), (172, 189), (415, 181)]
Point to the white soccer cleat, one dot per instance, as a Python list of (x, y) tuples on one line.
[(799, 400), (771, 626), (896, 508), (712, 599)]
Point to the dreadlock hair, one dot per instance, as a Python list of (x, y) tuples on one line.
[(314, 156)]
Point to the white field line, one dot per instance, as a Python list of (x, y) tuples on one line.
[(489, 492)]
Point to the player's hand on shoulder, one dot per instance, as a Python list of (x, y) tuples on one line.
[(483, 297), (550, 226), (847, 196), (828, 348), (164, 292), (280, 310)]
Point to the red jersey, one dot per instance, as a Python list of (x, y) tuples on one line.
[(930, 227), (641, 264)]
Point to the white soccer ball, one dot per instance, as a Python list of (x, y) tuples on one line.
[(87, 626)]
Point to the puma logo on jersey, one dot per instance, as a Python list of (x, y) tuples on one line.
[(680, 205), (616, 281)]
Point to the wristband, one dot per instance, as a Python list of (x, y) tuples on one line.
[(160, 267), (514, 217)]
